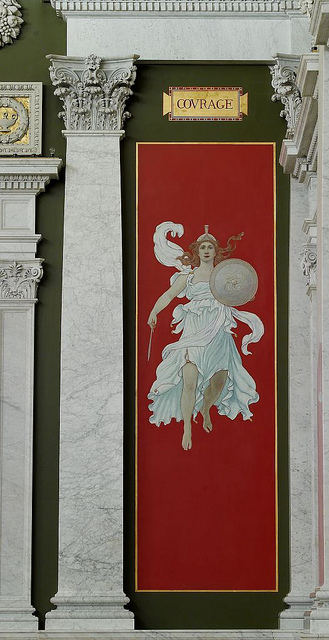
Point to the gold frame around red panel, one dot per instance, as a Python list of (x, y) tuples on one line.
[(273, 145)]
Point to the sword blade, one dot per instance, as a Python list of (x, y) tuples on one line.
[(150, 344)]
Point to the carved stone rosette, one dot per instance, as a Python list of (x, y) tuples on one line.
[(19, 281), (93, 91), (283, 81)]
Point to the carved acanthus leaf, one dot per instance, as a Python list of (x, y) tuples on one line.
[(94, 91), (20, 281), (10, 21), (306, 6), (309, 264), (284, 84)]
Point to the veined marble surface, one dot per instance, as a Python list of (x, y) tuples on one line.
[(303, 510), (91, 461), (21, 179), (185, 39), (319, 617), (91, 381)]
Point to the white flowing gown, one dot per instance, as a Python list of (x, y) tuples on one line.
[(207, 342)]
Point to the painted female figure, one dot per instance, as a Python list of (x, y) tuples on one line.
[(203, 368)]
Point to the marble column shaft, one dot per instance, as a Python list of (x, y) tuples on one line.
[(319, 616), (90, 595), (301, 443), (20, 272)]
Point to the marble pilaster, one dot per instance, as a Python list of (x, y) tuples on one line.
[(295, 84), (310, 228), (319, 615), (20, 272), (90, 594), (301, 443)]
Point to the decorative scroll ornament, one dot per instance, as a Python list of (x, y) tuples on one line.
[(284, 84), (93, 91), (20, 282), (309, 264), (10, 21)]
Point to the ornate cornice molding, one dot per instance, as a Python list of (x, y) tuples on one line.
[(93, 91), (23, 182), (10, 21), (19, 280), (298, 155), (28, 174), (284, 73), (191, 8)]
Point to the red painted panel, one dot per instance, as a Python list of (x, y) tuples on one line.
[(206, 517)]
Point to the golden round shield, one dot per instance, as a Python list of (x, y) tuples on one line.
[(234, 282)]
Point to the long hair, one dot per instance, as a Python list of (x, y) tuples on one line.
[(191, 257)]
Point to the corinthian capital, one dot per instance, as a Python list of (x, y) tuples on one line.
[(19, 280), (284, 73), (93, 90)]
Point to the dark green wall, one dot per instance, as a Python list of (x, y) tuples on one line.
[(43, 33), (204, 610)]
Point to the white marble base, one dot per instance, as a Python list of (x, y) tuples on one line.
[(90, 614), (216, 634), (294, 617), (16, 617)]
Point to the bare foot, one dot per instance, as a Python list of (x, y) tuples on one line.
[(207, 424), (187, 440)]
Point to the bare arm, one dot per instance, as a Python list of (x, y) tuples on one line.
[(162, 302)]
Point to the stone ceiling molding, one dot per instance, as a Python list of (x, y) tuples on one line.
[(178, 7), (94, 91), (284, 74), (10, 21)]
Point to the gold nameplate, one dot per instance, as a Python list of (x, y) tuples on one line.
[(205, 103)]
